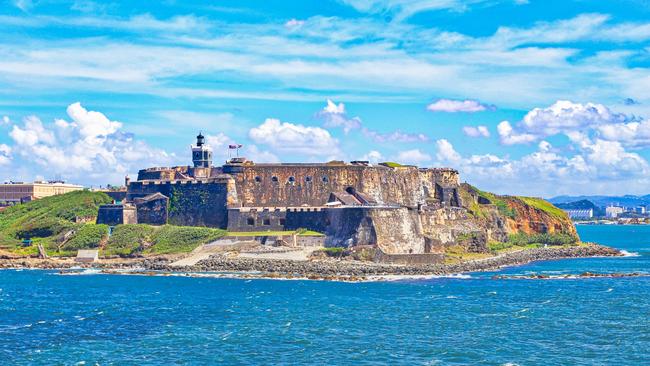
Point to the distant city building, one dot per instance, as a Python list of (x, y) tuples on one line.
[(640, 210), (17, 192), (613, 211), (580, 214)]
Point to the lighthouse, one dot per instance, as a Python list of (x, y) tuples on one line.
[(201, 153)]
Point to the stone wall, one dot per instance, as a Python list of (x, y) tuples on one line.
[(278, 219), (191, 203), (116, 215), (152, 210), (312, 184), (393, 230)]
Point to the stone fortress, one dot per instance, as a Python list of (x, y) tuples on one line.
[(397, 209)]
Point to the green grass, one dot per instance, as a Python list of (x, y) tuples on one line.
[(169, 239), (392, 164), (127, 240), (545, 206), (45, 221), (499, 202), (88, 236), (525, 241)]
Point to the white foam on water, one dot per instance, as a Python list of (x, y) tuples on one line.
[(630, 254)]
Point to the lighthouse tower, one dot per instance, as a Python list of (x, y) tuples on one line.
[(201, 153)]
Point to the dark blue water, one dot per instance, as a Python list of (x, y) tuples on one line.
[(48, 319)]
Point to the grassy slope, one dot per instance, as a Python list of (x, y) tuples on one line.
[(46, 220), (544, 205)]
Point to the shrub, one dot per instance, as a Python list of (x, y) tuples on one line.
[(125, 240), (87, 236), (523, 239), (180, 239), (334, 251)]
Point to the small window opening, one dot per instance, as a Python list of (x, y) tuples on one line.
[(266, 222), (250, 221)]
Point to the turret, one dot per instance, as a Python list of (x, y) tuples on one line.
[(201, 153)]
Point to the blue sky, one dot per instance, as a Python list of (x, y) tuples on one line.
[(527, 97)]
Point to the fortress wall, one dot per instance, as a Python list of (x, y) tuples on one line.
[(393, 230), (199, 204), (280, 219), (191, 203), (261, 220), (311, 185), (153, 212), (116, 214)]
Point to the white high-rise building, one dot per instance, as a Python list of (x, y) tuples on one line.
[(613, 211)]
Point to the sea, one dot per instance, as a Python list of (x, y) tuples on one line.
[(469, 319)]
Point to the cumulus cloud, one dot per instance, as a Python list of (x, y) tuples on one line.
[(89, 148), (414, 156), (334, 115), (605, 166), (5, 120), (478, 131), (562, 117), (373, 157), (294, 138), (453, 106)]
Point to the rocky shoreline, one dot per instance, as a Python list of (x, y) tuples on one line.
[(329, 269)]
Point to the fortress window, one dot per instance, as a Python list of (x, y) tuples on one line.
[(274, 179), (308, 179), (266, 222), (250, 221), (282, 222), (292, 180), (258, 179), (325, 179)]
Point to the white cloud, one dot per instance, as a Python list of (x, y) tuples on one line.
[(5, 120), (334, 115), (5, 154), (605, 167), (394, 136), (478, 131), (294, 24), (93, 126), (414, 156), (294, 138), (453, 106), (90, 147), (574, 119), (255, 154), (372, 156), (509, 137), (405, 8), (24, 5), (446, 151)]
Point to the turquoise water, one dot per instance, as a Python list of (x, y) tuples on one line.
[(48, 319)]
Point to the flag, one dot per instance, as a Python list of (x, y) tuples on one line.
[(236, 146)]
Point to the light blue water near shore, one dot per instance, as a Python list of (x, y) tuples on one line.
[(48, 319)]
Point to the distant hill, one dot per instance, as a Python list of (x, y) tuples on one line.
[(604, 201), (582, 205)]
